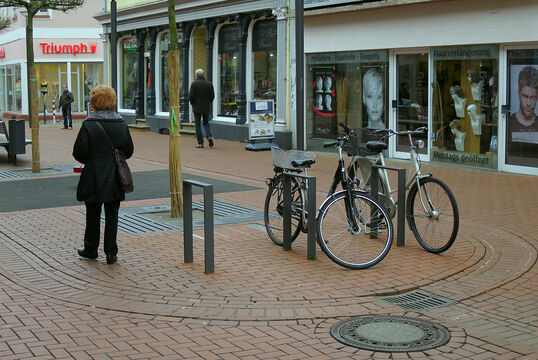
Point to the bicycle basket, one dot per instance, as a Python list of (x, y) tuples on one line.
[(282, 158)]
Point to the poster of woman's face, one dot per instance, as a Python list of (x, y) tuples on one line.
[(373, 98)]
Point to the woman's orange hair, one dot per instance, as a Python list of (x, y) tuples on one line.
[(103, 97)]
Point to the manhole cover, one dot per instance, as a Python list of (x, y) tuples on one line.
[(389, 333)]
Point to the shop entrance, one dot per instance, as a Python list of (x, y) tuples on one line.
[(411, 104)]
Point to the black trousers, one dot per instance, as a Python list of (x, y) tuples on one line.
[(93, 227)]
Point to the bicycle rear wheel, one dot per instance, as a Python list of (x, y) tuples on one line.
[(355, 248), (274, 210), (435, 225)]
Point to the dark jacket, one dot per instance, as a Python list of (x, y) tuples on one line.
[(201, 95), (66, 99), (99, 181)]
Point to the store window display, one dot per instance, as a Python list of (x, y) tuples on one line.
[(163, 97), (228, 60), (264, 60), (129, 69), (465, 104), (13, 90), (349, 87)]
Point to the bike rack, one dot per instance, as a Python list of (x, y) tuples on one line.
[(209, 244), (311, 209), (400, 223)]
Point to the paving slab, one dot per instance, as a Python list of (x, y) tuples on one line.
[(262, 302)]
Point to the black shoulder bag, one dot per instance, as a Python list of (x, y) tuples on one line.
[(121, 165)]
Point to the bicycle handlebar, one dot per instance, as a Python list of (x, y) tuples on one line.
[(330, 144), (388, 132)]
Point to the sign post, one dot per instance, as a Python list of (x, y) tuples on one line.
[(261, 121)]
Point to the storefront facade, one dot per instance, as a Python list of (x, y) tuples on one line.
[(64, 53), (466, 70), (241, 46)]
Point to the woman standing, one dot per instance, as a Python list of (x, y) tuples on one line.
[(99, 182)]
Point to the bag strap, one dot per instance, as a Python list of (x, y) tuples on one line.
[(106, 135)]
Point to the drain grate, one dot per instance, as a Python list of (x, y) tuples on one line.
[(389, 333), (141, 219), (45, 171), (418, 300)]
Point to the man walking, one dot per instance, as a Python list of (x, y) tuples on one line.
[(201, 95), (65, 103)]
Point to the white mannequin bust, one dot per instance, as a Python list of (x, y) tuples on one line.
[(459, 140), (328, 83), (319, 102), (477, 84), (328, 100), (459, 100), (476, 119), (319, 84)]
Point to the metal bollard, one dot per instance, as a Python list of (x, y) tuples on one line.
[(311, 210), (400, 219), (209, 244)]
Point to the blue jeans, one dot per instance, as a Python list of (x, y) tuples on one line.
[(197, 123), (68, 120)]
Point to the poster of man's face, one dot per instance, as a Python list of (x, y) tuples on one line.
[(523, 123), (524, 98)]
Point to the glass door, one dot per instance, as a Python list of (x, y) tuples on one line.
[(411, 101), (520, 114)]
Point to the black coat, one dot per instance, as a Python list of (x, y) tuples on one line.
[(99, 181), (201, 94)]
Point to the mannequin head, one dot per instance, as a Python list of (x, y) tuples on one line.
[(455, 124), (456, 91), (319, 84), (472, 76), (372, 94), (471, 110)]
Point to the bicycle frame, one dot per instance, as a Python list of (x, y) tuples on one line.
[(413, 175)]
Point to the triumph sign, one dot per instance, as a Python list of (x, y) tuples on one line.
[(51, 48)]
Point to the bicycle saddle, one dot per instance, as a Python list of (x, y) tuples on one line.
[(303, 162), (376, 146)]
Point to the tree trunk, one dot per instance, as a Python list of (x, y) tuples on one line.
[(176, 177), (174, 158), (32, 96)]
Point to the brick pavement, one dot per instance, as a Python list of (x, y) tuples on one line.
[(262, 302)]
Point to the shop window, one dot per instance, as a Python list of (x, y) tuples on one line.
[(229, 38), (13, 88), (43, 13), (465, 104), (522, 124), (264, 58), (3, 92), (163, 87), (129, 72), (49, 85), (92, 75), (349, 87)]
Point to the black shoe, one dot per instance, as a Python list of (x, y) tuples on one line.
[(86, 254), (111, 259), (199, 146), (210, 140)]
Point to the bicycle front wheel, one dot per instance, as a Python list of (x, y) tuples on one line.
[(355, 233), (432, 214), (273, 213)]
